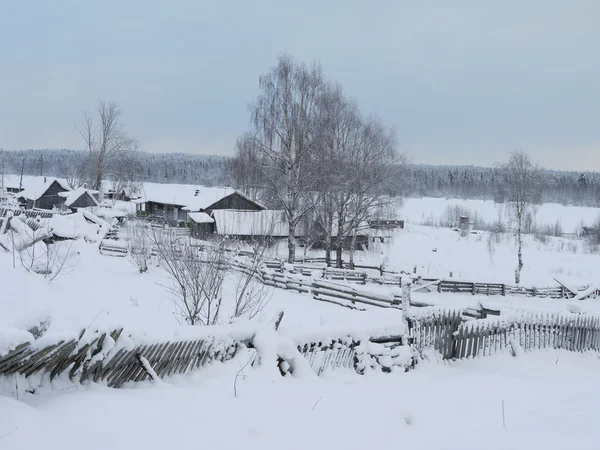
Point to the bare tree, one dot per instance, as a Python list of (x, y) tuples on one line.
[(359, 161), (282, 143), (196, 280), (522, 182), (138, 244), (108, 144), (252, 296)]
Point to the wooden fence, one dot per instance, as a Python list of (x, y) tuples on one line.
[(348, 353), (91, 358), (442, 285), (469, 287), (114, 359), (455, 339)]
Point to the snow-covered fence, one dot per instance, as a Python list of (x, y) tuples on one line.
[(381, 349), (114, 358), (472, 287), (333, 292), (530, 332), (435, 330), (455, 339)]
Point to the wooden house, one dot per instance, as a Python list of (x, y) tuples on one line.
[(43, 193), (174, 202), (79, 198)]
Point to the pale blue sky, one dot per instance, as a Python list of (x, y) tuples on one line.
[(464, 82)]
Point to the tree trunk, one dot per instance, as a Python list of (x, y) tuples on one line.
[(352, 249), (519, 256), (292, 243), (338, 255), (339, 241)]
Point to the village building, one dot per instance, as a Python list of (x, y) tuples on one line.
[(174, 202), (246, 225), (79, 198), (43, 193)]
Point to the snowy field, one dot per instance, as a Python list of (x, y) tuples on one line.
[(550, 402), (549, 397), (444, 253), (428, 210)]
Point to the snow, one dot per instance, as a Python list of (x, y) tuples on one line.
[(200, 217), (435, 406), (550, 397), (71, 196), (419, 210), (35, 187), (183, 195), (75, 226), (251, 223), (30, 182)]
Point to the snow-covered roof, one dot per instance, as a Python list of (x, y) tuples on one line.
[(36, 187), (72, 196), (73, 226), (200, 217), (250, 223), (190, 197)]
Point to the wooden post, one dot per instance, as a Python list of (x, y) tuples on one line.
[(406, 288), (504, 290), (473, 289)]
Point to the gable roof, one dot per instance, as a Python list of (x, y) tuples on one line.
[(188, 196), (200, 217), (37, 187), (72, 196)]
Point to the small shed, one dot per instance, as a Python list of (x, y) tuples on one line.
[(79, 198), (201, 224)]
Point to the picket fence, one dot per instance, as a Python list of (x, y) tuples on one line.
[(114, 359), (455, 339), (89, 358)]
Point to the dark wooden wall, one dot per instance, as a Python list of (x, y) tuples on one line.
[(235, 201), (50, 199), (83, 201)]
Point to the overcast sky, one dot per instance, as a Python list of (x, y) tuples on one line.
[(463, 82)]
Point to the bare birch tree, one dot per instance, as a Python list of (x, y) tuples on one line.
[(522, 184), (284, 119), (107, 143), (359, 163)]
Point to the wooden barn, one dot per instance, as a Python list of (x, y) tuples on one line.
[(44, 194), (174, 202), (79, 198), (248, 224)]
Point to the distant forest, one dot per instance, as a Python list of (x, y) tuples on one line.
[(467, 182)]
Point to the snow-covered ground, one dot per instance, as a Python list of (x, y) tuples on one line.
[(432, 210), (549, 399)]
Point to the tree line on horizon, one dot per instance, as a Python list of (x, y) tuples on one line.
[(419, 180)]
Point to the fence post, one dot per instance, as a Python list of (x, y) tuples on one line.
[(406, 285), (503, 290), (473, 289)]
